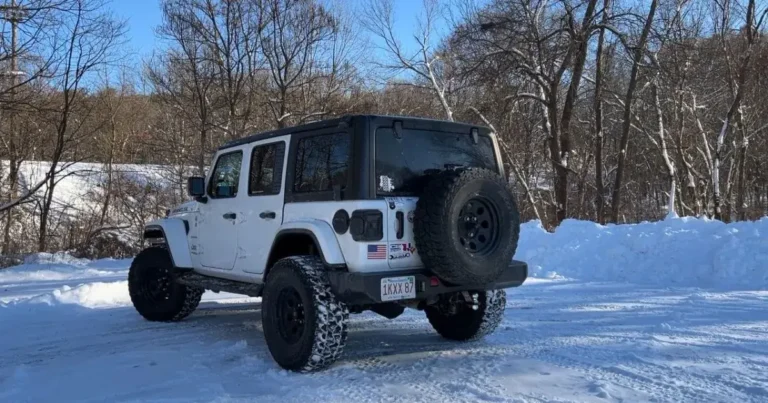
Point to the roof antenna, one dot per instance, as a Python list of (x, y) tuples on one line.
[(398, 129), (474, 135)]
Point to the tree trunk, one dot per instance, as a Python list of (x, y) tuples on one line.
[(599, 187), (109, 169), (624, 142), (14, 163), (668, 163), (201, 156), (741, 206), (13, 182), (45, 211), (737, 90)]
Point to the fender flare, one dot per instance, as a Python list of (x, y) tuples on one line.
[(323, 235), (175, 233)]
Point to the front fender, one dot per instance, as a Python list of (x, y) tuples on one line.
[(175, 233), (323, 235)]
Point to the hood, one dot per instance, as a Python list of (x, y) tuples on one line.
[(185, 208)]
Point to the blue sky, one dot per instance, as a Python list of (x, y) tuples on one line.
[(144, 15)]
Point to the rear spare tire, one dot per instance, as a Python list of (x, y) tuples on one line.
[(466, 226)]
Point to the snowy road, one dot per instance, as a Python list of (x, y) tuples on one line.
[(561, 341)]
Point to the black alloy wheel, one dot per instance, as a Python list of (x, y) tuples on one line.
[(304, 324), (290, 313), (478, 226), (156, 287), (153, 288)]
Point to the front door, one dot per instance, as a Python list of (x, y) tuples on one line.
[(265, 196), (220, 215)]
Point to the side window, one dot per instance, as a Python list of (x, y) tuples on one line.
[(321, 162), (265, 177), (226, 175)]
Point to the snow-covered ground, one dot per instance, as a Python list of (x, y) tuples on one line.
[(673, 311)]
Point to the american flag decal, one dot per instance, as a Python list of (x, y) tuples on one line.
[(377, 251)]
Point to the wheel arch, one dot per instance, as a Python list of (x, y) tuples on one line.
[(306, 238), (173, 231)]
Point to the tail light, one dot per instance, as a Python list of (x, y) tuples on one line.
[(367, 225)]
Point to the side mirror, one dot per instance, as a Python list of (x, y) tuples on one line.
[(196, 186)]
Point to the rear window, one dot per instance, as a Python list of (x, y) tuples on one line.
[(402, 164), (321, 163)]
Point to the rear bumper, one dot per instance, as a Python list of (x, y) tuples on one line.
[(365, 288)]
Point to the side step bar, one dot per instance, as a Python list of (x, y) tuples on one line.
[(190, 278)]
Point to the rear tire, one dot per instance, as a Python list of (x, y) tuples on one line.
[(455, 319), (155, 293), (305, 326)]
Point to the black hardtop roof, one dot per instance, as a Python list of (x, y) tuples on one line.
[(435, 124)]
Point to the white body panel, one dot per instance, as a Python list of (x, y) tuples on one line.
[(176, 240), (354, 253), (323, 233)]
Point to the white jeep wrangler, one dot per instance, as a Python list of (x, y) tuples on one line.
[(345, 215)]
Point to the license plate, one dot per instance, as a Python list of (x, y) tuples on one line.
[(397, 288)]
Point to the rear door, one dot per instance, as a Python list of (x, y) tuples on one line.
[(263, 209), (405, 163)]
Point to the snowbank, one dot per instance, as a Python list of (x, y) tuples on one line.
[(61, 266), (686, 251), (93, 295), (54, 258)]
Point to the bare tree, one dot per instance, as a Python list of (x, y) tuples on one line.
[(736, 82), (637, 60), (599, 134), (293, 33), (184, 76), (424, 60), (87, 38)]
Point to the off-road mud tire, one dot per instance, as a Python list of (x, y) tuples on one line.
[(467, 324), (324, 334), (172, 301), (436, 231)]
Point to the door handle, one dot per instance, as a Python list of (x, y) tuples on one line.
[(267, 214), (230, 216)]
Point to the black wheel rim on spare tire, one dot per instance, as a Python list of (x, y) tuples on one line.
[(478, 226), (290, 315)]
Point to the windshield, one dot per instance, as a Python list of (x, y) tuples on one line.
[(401, 164)]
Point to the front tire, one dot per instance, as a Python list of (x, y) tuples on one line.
[(155, 293), (455, 319), (305, 326)]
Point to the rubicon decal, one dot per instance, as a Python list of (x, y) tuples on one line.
[(401, 255)]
